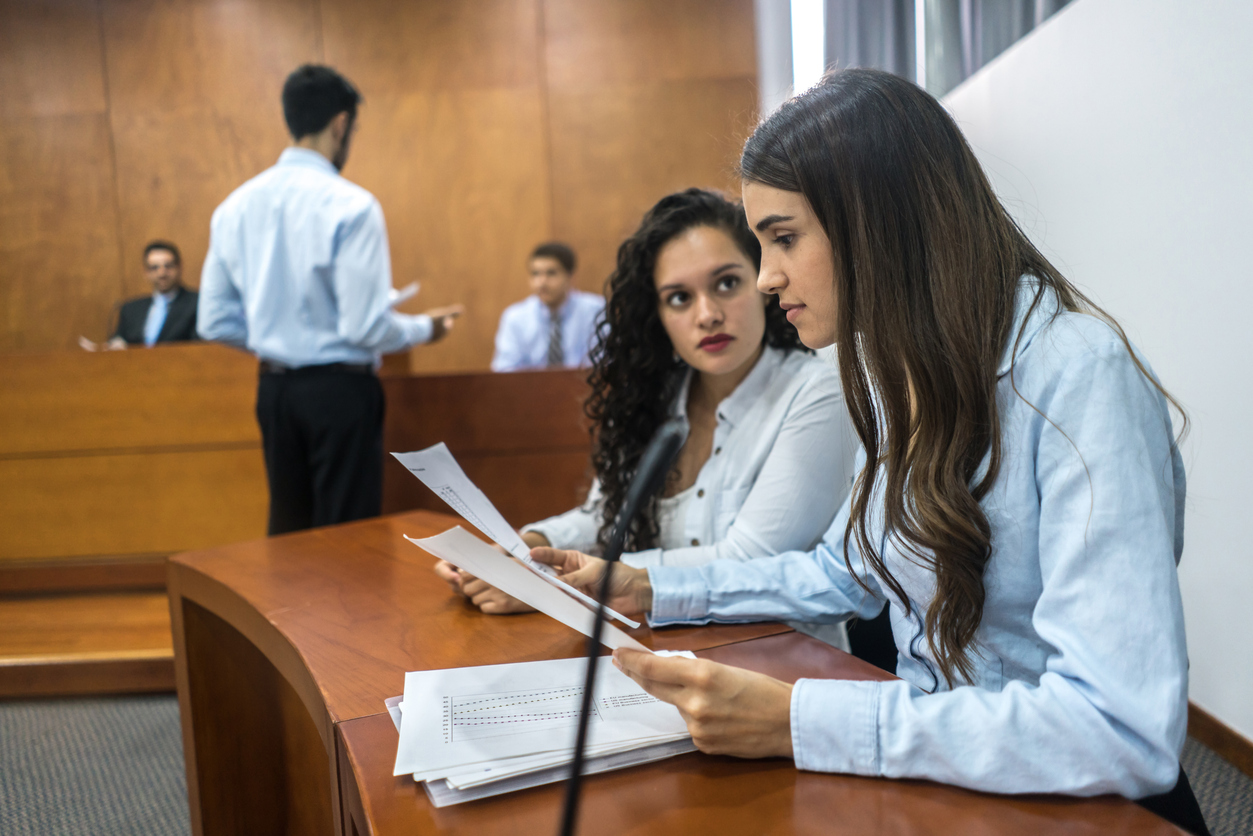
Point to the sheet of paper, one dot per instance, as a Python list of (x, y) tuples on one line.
[(436, 468), (460, 716), (465, 551), (395, 297)]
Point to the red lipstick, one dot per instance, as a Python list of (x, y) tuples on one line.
[(715, 342)]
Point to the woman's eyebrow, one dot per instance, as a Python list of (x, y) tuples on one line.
[(730, 265), (770, 220)]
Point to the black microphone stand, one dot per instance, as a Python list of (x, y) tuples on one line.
[(648, 478)]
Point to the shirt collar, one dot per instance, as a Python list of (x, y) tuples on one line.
[(307, 158), (736, 404), (1044, 312), (168, 295)]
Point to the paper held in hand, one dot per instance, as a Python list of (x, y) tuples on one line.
[(436, 468), (465, 551)]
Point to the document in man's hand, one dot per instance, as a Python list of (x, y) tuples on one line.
[(475, 732), (436, 468)]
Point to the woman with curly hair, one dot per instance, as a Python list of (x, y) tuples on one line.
[(1019, 498), (686, 333)]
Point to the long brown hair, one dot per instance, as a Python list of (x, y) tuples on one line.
[(927, 267)]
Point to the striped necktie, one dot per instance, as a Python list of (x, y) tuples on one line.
[(556, 357)]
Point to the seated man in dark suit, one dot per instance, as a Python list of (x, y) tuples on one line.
[(169, 314)]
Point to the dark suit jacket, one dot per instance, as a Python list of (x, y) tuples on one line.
[(180, 320)]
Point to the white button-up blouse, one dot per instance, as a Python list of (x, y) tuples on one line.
[(782, 459)]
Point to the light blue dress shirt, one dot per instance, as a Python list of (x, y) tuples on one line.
[(522, 338), (298, 270), (1080, 683), (157, 312)]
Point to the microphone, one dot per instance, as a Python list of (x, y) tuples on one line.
[(649, 476)]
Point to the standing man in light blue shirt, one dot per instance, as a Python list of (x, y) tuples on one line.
[(555, 326), (298, 272)]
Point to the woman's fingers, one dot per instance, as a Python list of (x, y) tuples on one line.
[(728, 711), (448, 574), (664, 677)]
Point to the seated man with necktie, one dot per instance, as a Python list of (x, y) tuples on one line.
[(555, 326), (169, 314)]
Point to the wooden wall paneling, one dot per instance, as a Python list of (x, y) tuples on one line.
[(152, 502), (172, 395), (617, 150), (194, 89), (521, 437), (50, 59), (645, 97), (452, 143), (461, 179), (629, 41), (387, 47), (58, 248)]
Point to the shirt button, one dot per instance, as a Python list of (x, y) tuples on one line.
[(717, 450), (700, 494), (695, 542)]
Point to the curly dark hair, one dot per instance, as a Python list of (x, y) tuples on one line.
[(635, 371)]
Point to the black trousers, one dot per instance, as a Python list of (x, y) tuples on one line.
[(322, 434)]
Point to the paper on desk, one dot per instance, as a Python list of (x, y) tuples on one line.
[(465, 551), (395, 297), (436, 468), (461, 716)]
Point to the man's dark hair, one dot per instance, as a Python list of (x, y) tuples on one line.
[(555, 249), (163, 245), (313, 95)]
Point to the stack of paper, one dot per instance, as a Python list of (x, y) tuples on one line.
[(470, 733)]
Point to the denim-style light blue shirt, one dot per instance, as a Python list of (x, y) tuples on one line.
[(298, 270), (523, 334), (1080, 683)]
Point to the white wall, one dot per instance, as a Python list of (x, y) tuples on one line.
[(774, 53), (1120, 134)]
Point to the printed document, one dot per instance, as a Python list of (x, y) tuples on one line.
[(439, 471)]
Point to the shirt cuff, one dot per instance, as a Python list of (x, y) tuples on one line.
[(420, 329), (680, 595), (644, 559), (835, 726)]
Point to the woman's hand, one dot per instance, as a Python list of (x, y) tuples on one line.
[(486, 597), (728, 711), (631, 590)]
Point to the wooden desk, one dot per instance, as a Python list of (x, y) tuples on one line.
[(286, 648)]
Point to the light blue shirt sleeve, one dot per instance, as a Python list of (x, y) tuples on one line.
[(1080, 680), (220, 309), (362, 281)]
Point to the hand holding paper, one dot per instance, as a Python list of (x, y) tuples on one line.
[(465, 551), (439, 471)]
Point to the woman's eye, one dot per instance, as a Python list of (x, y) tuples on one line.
[(785, 241), (677, 299), (726, 283)]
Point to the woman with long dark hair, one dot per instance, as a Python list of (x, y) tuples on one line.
[(687, 334), (1019, 503)]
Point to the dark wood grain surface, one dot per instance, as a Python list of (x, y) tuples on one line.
[(700, 793)]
